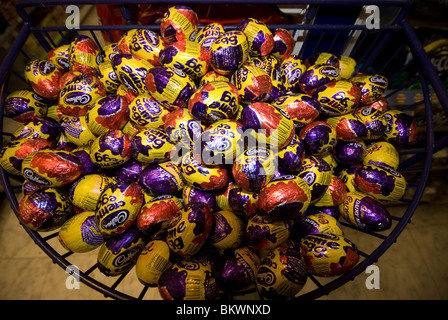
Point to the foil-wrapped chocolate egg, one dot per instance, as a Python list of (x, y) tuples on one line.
[(117, 208), (272, 125), (43, 76), (372, 87), (172, 88), (382, 104), (253, 83), (382, 183), (59, 56), (317, 75), (328, 255), (189, 279), (227, 231), (69, 75), (130, 170), (151, 145), (241, 201), (84, 55), (348, 153), (146, 44), (283, 44), (83, 155), (262, 233), (131, 71), (284, 198), (317, 174), (290, 157), (80, 233), (348, 127), (292, 70), (314, 224), (202, 176), (381, 153), (347, 175), (365, 212), (146, 112), (87, 189), (217, 100), (347, 66), (374, 120), (182, 128), (209, 33), (301, 108), (152, 262), (238, 272), (260, 39), (254, 168), (211, 76), (118, 254), (76, 130), (44, 209), (79, 94), (401, 128), (24, 105), (106, 74), (161, 178), (39, 127), (229, 52), (179, 23), (318, 137), (123, 45), (334, 195), (156, 214), (188, 56), (189, 229), (337, 97), (111, 149), (324, 58), (51, 168), (282, 274)]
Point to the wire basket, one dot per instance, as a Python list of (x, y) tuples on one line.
[(390, 50)]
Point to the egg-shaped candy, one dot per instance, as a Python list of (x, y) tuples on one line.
[(208, 34), (84, 55), (83, 155), (365, 212), (348, 127), (317, 75), (189, 279), (109, 50), (44, 209), (156, 214), (161, 178), (43, 76), (202, 176), (316, 223), (217, 100), (372, 87), (191, 194), (179, 23), (254, 168), (111, 149), (146, 112), (292, 70), (117, 207), (51, 168), (328, 255), (374, 120), (382, 104), (381, 153), (283, 44), (69, 75), (212, 75), (188, 56), (152, 262), (290, 157), (382, 183), (334, 195), (238, 272), (324, 58), (151, 145), (59, 56), (283, 198), (348, 153), (253, 83), (347, 66), (131, 71), (241, 201), (317, 174), (124, 43), (87, 189), (129, 171), (331, 211), (401, 127), (146, 44), (76, 130), (119, 254), (337, 97), (272, 125), (262, 233), (347, 175), (189, 229), (172, 88), (229, 52), (260, 39), (282, 274), (80, 233), (106, 74), (227, 231), (182, 128), (318, 137), (79, 94), (301, 108), (24, 105)]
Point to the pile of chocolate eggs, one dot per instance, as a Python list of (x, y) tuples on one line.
[(208, 159)]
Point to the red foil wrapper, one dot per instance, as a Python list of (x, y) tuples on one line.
[(156, 215)]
